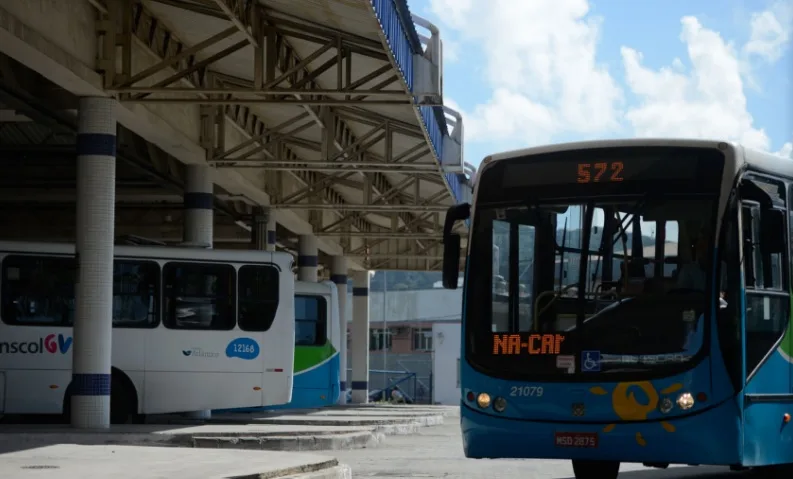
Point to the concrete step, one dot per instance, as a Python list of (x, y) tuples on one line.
[(322, 442)]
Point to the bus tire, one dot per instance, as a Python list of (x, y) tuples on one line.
[(587, 469), (123, 399)]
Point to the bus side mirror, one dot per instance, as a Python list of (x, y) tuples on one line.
[(451, 261), (451, 244)]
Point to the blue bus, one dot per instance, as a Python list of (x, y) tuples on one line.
[(637, 310)]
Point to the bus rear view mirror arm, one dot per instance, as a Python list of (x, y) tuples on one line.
[(451, 244)]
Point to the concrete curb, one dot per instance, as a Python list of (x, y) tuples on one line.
[(342, 471), (336, 421), (316, 470), (324, 442)]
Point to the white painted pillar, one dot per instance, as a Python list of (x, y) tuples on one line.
[(198, 223), (307, 259), (93, 312), (198, 202), (338, 274), (264, 229), (360, 337)]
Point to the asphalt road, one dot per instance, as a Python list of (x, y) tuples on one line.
[(436, 452)]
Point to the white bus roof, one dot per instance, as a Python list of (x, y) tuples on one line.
[(309, 287), (283, 260)]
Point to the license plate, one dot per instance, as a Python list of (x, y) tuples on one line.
[(576, 439)]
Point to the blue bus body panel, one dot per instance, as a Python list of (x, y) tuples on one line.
[(712, 437), (767, 438), (709, 433), (316, 387)]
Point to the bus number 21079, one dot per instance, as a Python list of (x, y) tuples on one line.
[(526, 391)]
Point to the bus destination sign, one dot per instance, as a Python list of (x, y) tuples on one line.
[(532, 344)]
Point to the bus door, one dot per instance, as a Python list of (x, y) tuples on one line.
[(766, 279)]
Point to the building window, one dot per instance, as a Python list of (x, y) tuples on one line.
[(422, 339), (380, 339)]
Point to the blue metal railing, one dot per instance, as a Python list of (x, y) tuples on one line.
[(403, 39)]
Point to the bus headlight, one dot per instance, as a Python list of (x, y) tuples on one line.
[(499, 404), (666, 405), (685, 401), (483, 400)]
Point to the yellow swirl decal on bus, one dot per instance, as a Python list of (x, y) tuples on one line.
[(628, 408)]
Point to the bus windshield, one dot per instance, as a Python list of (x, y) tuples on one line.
[(610, 285)]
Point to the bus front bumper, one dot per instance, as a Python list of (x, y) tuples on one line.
[(711, 437)]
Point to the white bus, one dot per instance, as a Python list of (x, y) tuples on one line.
[(193, 329)]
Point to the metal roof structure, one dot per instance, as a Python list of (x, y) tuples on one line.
[(332, 108)]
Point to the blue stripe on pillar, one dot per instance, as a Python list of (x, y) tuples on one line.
[(342, 386), (270, 237), (339, 278), (198, 201), (358, 385), (307, 261), (90, 384), (96, 144), (360, 291)]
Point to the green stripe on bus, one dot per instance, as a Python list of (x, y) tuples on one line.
[(309, 356)]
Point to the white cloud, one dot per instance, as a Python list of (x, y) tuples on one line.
[(786, 151), (770, 32), (540, 65), (707, 102)]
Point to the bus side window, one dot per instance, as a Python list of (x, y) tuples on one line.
[(199, 296), (310, 320), (259, 291), (38, 290), (767, 299), (136, 294)]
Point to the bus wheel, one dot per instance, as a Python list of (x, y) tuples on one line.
[(595, 469), (122, 409)]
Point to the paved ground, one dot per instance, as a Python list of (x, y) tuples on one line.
[(436, 452)]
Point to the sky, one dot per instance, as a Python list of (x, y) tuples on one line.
[(525, 73)]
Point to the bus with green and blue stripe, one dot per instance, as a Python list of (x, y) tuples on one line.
[(638, 309)]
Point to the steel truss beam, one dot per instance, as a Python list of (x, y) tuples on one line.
[(275, 64), (181, 58)]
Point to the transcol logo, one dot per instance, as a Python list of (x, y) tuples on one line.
[(51, 343)]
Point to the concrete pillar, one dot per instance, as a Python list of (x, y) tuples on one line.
[(198, 223), (198, 199), (360, 337), (93, 311), (264, 229), (338, 274), (307, 259)]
